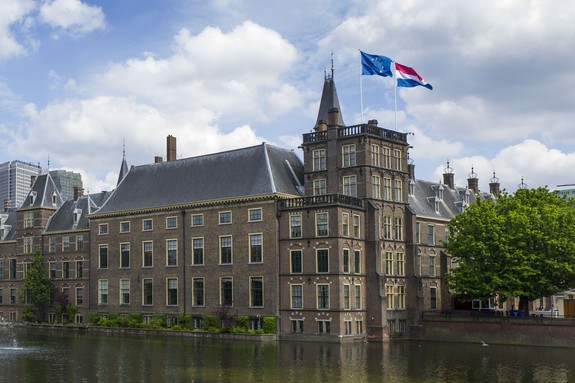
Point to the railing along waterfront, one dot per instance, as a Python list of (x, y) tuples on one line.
[(320, 200), (354, 130)]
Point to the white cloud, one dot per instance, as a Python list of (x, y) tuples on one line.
[(12, 12), (74, 16)]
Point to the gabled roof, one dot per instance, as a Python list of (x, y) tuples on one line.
[(72, 215), (253, 171), (123, 170), (328, 101), (43, 193), (452, 203)]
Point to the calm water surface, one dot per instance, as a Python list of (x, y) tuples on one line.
[(30, 355)]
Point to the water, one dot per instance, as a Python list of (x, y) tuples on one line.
[(64, 356)]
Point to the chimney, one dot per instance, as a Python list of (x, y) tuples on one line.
[(372, 123), (411, 171), (472, 181), (7, 204), (171, 148), (321, 126), (78, 192), (494, 186), (448, 177), (158, 159), (332, 116)]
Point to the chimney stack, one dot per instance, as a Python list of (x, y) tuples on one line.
[(448, 177), (158, 159), (332, 116), (171, 148), (473, 181), (321, 126), (411, 171), (7, 204), (78, 192)]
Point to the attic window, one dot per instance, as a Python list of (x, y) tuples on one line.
[(440, 192), (32, 197), (466, 197), (437, 205), (411, 187), (77, 215), (54, 198)]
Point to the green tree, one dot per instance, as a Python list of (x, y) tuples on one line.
[(520, 245), (38, 288)]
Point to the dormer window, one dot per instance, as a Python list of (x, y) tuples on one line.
[(466, 197), (53, 198), (32, 197), (440, 192), (411, 187), (437, 205), (77, 215)]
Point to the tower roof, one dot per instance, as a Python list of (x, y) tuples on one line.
[(328, 101)]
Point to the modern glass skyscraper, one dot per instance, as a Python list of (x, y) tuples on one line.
[(15, 181)]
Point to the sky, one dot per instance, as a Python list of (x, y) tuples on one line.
[(83, 80)]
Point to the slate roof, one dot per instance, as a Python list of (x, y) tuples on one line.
[(329, 100), (63, 219), (422, 201), (123, 170), (44, 189), (8, 222), (253, 171)]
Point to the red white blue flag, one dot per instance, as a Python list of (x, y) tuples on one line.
[(408, 77)]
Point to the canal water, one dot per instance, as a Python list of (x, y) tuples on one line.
[(32, 355)]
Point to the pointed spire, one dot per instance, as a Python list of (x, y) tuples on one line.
[(329, 100), (124, 165)]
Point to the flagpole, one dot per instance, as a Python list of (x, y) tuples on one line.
[(360, 87), (395, 94)]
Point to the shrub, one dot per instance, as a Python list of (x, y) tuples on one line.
[(269, 326), (158, 321), (210, 321), (72, 311), (242, 321), (135, 320), (93, 318), (29, 315)]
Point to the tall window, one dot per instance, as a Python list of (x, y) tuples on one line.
[(147, 291), (356, 226), (319, 159), (66, 269), (397, 159), (52, 268), (124, 291), (172, 291), (348, 155), (357, 261), (102, 291), (52, 244), (388, 263), (350, 186), (198, 292), (226, 256), (148, 256), (387, 227), (390, 298), (375, 187), (65, 243), (401, 297), (322, 296), (296, 265), (12, 268), (432, 272), (79, 296), (295, 226), (346, 297), (28, 245), (418, 232), (79, 242), (296, 296), (198, 251), (430, 235), (398, 186), (28, 219), (256, 291), (386, 188), (226, 291), (319, 187), (400, 264), (386, 157), (256, 248), (375, 158), (124, 255), (1, 269), (345, 260), (322, 256), (171, 252), (357, 297), (103, 257), (79, 269), (433, 297), (345, 224), (321, 224), (398, 229)]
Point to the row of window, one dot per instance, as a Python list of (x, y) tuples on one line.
[(349, 229), (380, 157), (430, 234), (224, 217), (394, 266), (324, 326), (226, 292), (226, 255), (351, 296), (396, 225), (395, 297), (66, 270), (78, 300), (350, 263), (349, 187), (66, 244)]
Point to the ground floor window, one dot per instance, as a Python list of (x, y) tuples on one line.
[(324, 327), (402, 325), (52, 317), (197, 323), (347, 327), (391, 325), (147, 320), (256, 323), (297, 326), (79, 319), (359, 326), (13, 316)]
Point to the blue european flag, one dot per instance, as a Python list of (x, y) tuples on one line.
[(373, 64)]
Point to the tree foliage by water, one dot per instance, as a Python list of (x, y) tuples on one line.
[(520, 245), (38, 289)]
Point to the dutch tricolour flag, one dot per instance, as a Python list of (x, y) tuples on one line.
[(408, 77)]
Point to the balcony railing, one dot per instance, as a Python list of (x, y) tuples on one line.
[(320, 200), (354, 130)]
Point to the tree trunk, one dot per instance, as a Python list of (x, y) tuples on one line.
[(524, 305)]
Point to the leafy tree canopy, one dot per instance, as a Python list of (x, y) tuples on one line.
[(38, 288), (520, 245)]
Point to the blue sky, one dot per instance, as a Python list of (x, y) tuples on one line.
[(79, 78)]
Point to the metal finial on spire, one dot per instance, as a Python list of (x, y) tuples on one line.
[(472, 174), (332, 64), (522, 185), (494, 179), (123, 147), (448, 169)]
